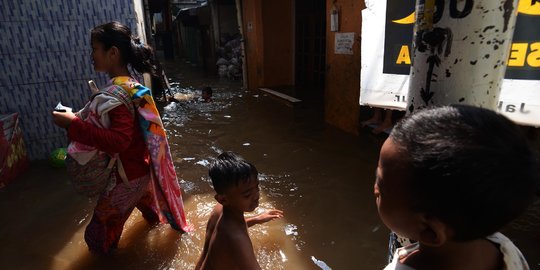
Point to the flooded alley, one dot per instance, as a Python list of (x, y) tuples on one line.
[(346, 67), (319, 176)]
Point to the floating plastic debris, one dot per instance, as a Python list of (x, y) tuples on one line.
[(246, 144), (203, 162), (320, 263), (170, 107)]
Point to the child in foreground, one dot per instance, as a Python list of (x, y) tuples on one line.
[(227, 244), (450, 178)]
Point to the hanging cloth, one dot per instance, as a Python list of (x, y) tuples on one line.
[(164, 184)]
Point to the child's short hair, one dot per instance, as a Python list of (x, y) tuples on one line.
[(230, 169), (471, 167)]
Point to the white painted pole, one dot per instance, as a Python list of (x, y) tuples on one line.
[(460, 52)]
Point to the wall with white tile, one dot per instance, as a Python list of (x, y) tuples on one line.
[(45, 58)]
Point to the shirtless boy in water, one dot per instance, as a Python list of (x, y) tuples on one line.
[(227, 244)]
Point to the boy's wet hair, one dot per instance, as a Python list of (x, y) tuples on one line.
[(471, 167), (230, 169), (140, 56)]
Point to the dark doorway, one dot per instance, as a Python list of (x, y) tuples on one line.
[(310, 53)]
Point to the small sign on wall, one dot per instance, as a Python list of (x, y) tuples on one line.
[(344, 43)]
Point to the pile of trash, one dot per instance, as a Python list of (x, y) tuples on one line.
[(229, 55)]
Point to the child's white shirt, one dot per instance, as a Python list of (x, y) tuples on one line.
[(513, 259)]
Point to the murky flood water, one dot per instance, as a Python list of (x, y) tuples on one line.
[(320, 177), (308, 170)]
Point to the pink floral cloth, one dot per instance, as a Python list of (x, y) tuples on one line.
[(164, 185)]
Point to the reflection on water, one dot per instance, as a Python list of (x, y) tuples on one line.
[(197, 127), (324, 198)]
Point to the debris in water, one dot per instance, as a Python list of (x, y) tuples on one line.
[(320, 263), (203, 162), (246, 144)]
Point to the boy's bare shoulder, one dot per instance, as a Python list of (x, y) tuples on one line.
[(222, 229), (233, 239), (216, 213), (230, 230)]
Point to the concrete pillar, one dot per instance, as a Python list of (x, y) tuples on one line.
[(460, 49)]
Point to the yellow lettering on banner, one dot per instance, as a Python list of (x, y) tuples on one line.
[(518, 54), (534, 57), (404, 56)]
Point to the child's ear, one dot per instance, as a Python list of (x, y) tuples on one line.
[(114, 53), (435, 233), (220, 198)]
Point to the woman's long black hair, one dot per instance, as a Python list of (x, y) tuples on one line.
[(139, 55)]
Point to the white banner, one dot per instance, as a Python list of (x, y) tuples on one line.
[(387, 32)]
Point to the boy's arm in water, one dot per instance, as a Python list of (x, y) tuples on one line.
[(268, 215), (183, 97)]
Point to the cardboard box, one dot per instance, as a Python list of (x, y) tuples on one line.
[(13, 159)]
